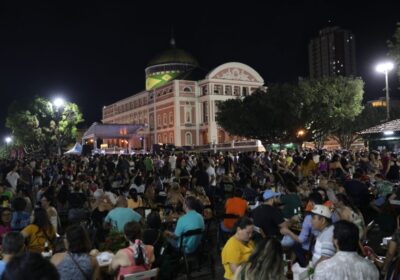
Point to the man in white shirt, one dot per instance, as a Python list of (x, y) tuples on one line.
[(321, 221), (346, 263), (211, 173), (12, 178), (172, 161)]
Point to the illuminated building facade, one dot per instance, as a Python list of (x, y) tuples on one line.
[(179, 108)]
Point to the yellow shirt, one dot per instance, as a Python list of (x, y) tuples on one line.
[(235, 252), (36, 238), (133, 205)]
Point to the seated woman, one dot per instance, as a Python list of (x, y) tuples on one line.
[(20, 218), (39, 232), (5, 222), (134, 200), (135, 258), (152, 235), (238, 248), (265, 263), (76, 263)]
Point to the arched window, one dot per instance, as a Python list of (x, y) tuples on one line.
[(187, 89), (171, 138), (159, 138), (165, 138), (171, 118), (188, 138)]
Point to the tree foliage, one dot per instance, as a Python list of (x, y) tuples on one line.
[(271, 117), (330, 104), (394, 48), (324, 107), (38, 126)]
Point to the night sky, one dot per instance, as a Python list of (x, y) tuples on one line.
[(94, 54)]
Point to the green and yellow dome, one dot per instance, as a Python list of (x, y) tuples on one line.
[(167, 66)]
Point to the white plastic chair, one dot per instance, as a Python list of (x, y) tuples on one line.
[(142, 275)]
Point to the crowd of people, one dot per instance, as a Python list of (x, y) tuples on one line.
[(266, 214)]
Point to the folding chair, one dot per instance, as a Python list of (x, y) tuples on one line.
[(194, 256), (223, 235), (141, 275)]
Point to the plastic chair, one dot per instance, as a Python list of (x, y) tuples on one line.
[(141, 275)]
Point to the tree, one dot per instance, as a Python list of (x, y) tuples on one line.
[(38, 127), (394, 48), (271, 117), (330, 104), (370, 116)]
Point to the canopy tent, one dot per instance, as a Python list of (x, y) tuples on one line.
[(388, 127), (76, 150), (383, 136), (108, 131)]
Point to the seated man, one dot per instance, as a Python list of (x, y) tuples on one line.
[(121, 215), (235, 205), (190, 221), (321, 221), (268, 216), (13, 244), (346, 263)]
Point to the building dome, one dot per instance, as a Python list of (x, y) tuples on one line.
[(173, 56), (169, 65)]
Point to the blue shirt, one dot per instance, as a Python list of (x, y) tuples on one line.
[(190, 221), (306, 231), (119, 216), (2, 267), (20, 220)]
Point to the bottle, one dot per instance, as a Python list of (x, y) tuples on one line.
[(289, 272)]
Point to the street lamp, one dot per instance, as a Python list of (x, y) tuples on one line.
[(8, 140), (385, 68), (58, 103)]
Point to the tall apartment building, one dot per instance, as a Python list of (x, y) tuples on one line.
[(179, 108), (332, 53)]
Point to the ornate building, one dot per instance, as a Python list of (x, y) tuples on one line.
[(180, 102)]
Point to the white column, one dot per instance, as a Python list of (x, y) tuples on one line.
[(177, 115), (198, 112)]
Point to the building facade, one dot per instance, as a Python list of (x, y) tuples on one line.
[(332, 53), (176, 109)]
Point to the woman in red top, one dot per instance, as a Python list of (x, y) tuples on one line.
[(135, 258)]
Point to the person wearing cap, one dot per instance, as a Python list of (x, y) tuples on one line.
[(268, 216), (346, 263), (321, 221)]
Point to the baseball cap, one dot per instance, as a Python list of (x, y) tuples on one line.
[(322, 210), (268, 194)]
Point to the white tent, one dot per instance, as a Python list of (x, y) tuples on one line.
[(76, 150)]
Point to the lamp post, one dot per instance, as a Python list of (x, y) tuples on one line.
[(385, 68), (58, 103), (8, 140)]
